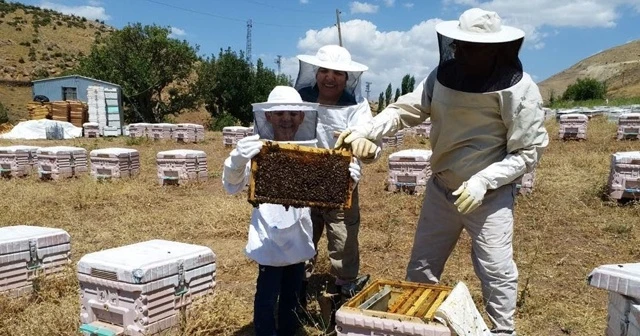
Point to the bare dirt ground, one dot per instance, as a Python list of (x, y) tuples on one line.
[(562, 231)]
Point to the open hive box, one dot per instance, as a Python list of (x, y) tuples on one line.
[(301, 176), (394, 308)]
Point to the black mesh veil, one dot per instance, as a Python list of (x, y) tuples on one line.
[(505, 67)]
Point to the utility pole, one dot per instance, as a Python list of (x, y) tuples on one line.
[(339, 30), (367, 89), (279, 63), (248, 47)]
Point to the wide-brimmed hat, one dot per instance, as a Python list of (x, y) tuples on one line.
[(333, 57), (284, 98), (479, 26)]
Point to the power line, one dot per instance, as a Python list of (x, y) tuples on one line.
[(284, 8)]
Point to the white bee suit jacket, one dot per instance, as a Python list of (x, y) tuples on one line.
[(277, 236)]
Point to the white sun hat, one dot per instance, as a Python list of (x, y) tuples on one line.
[(333, 57), (479, 26), (284, 98)]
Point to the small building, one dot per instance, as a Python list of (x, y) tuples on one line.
[(72, 87)]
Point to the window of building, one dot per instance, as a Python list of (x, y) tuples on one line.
[(69, 93)]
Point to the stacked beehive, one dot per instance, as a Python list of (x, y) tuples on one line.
[(573, 126), (188, 133), (114, 162), (17, 161), (78, 113), (525, 183), (91, 130), (629, 126), (624, 175), (180, 166), (424, 129), (60, 110), (140, 130), (141, 289), (112, 105), (623, 283), (27, 251), (394, 140), (409, 170), (162, 131), (61, 161), (96, 105), (38, 110), (231, 134)]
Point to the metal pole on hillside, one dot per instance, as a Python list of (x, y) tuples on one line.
[(339, 30)]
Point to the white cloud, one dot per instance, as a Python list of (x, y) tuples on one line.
[(90, 11), (95, 3), (362, 7), (389, 3), (304, 2), (408, 4), (177, 32)]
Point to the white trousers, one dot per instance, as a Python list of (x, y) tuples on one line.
[(491, 229)]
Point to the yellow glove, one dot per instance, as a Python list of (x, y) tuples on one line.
[(361, 147), (471, 194)]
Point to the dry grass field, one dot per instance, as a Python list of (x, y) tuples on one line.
[(563, 230)]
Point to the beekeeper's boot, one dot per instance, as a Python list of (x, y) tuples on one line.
[(352, 288)]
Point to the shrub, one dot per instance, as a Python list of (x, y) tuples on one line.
[(585, 89)]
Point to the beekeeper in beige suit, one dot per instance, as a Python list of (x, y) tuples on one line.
[(487, 130)]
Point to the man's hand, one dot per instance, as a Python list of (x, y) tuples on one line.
[(471, 194), (361, 147), (245, 150), (355, 172)]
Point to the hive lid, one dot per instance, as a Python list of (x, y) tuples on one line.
[(629, 115), (140, 124), (619, 278), (626, 155), (145, 261), (424, 154), (58, 149), (23, 148), (94, 124), (181, 152), (235, 128), (16, 238), (574, 115), (112, 151)]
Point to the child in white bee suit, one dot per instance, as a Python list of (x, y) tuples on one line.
[(280, 239)]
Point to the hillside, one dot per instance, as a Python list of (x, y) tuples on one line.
[(618, 66), (36, 43)]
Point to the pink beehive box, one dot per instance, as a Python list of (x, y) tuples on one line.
[(624, 175), (424, 129), (628, 126), (181, 166), (30, 251), (61, 162), (17, 161), (140, 289), (114, 162), (393, 141), (409, 170), (140, 130), (91, 129), (573, 126), (162, 131), (634, 319), (619, 314), (231, 134), (525, 183), (188, 133)]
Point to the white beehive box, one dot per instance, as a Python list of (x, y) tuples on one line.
[(114, 162), (394, 140), (139, 289), (409, 170), (231, 134), (61, 161), (621, 278), (188, 133), (18, 160), (573, 126), (624, 175), (424, 129), (525, 183), (91, 129), (140, 130), (162, 131), (27, 251), (628, 126), (180, 166)]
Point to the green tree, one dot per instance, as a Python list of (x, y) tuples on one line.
[(395, 99), (388, 93), (408, 82), (151, 68), (380, 102), (585, 89)]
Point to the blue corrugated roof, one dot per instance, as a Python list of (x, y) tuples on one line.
[(74, 76)]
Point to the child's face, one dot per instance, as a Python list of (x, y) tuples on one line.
[(285, 124)]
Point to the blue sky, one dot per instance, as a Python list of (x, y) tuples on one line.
[(392, 37)]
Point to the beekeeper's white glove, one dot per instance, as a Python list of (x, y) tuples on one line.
[(361, 147), (471, 194), (235, 165), (355, 172)]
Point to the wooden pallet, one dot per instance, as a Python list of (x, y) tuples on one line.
[(308, 151), (398, 300)]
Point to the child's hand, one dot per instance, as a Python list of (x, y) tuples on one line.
[(245, 150)]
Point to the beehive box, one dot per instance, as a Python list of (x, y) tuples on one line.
[(301, 176), (409, 170), (61, 162), (91, 129), (624, 175), (573, 126), (393, 308), (395, 140), (38, 110), (188, 133), (17, 161), (525, 183), (628, 126), (140, 130), (231, 134), (162, 131), (114, 162), (60, 110), (140, 289), (29, 251), (181, 166), (424, 129)]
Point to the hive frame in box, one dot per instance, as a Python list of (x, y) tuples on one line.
[(393, 308), (298, 148)]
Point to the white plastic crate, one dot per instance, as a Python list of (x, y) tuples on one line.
[(409, 170), (624, 175), (114, 162), (181, 166), (26, 252), (573, 126), (140, 289)]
